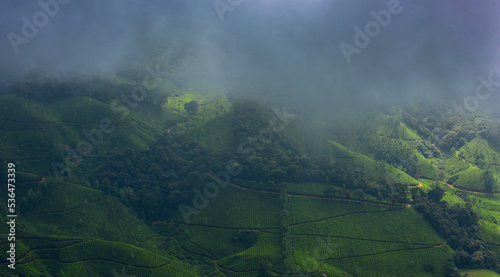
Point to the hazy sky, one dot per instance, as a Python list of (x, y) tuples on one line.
[(290, 48)]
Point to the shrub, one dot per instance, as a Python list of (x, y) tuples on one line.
[(244, 238)]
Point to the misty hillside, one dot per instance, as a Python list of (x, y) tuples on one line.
[(250, 138)]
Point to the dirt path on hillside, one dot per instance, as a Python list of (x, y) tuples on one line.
[(310, 195), (479, 271), (469, 191), (170, 129)]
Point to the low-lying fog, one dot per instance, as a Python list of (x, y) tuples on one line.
[(319, 53)]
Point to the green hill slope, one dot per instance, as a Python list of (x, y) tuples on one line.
[(70, 228), (75, 133), (79, 231), (371, 167), (328, 236)]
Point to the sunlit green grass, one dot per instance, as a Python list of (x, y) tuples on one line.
[(399, 225), (478, 145), (471, 178), (372, 167), (479, 273)]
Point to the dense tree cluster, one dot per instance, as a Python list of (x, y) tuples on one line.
[(259, 150), (457, 135), (379, 188), (156, 180), (387, 150), (50, 89), (417, 125), (447, 132), (429, 150), (459, 226)]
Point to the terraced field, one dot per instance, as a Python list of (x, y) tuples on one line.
[(91, 234), (328, 236), (468, 165)]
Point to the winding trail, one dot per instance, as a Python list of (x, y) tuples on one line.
[(309, 195), (469, 191), (170, 129)]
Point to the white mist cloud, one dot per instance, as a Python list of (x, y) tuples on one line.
[(287, 48)]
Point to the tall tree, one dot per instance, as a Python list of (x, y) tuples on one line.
[(435, 194), (489, 181), (191, 107)]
